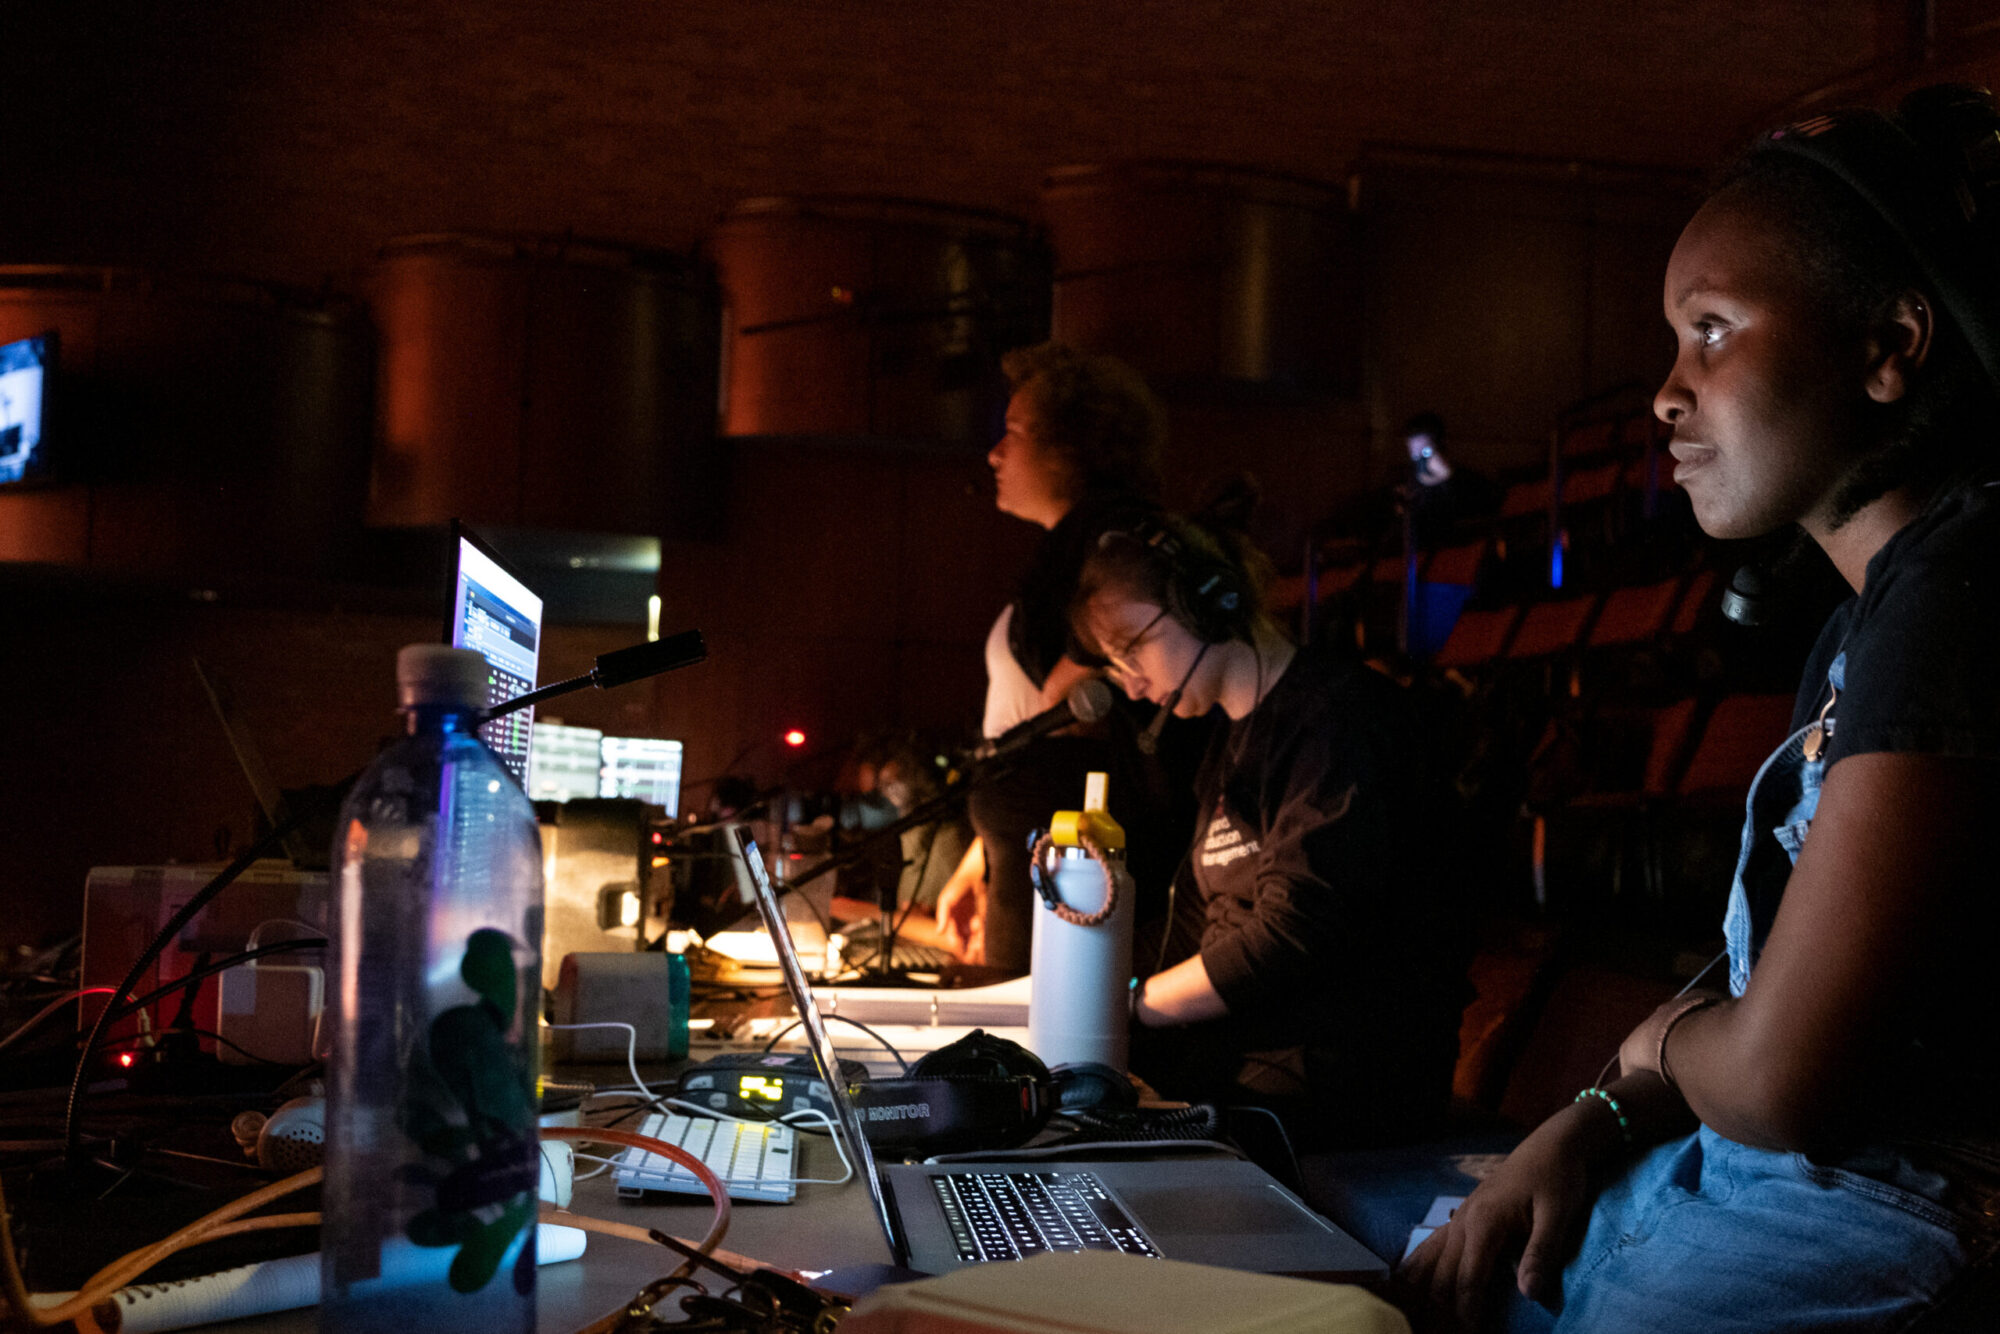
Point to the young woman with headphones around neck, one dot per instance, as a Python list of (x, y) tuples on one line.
[(1818, 1147), (1327, 984)]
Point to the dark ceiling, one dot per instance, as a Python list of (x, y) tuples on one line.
[(288, 140)]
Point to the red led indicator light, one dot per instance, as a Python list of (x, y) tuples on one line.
[(795, 738)]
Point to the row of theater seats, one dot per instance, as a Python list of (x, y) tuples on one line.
[(1603, 745), (1634, 615)]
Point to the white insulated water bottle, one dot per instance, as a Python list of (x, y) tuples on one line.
[(1081, 972)]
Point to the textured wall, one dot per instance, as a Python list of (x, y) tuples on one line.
[(287, 140)]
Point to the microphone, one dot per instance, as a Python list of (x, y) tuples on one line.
[(1149, 740), (1088, 700), (643, 660), (619, 667), (1744, 600)]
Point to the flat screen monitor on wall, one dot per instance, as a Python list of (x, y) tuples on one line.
[(24, 377), (497, 615)]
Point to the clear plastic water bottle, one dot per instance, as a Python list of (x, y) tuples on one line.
[(431, 1159)]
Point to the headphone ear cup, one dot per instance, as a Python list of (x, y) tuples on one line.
[(294, 1138), (1090, 1085), (1211, 598), (1204, 594)]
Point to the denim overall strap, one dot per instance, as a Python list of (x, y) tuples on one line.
[(1783, 798)]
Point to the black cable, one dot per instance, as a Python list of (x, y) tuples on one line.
[(263, 847), (887, 959), (192, 992), (1173, 897), (887, 1045), (201, 1033), (219, 966)]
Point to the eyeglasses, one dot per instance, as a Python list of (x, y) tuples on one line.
[(1120, 660)]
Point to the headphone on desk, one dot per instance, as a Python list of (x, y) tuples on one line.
[(979, 1092)]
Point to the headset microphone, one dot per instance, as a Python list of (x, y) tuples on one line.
[(1149, 740)]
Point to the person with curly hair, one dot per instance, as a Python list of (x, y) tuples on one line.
[(1080, 455)]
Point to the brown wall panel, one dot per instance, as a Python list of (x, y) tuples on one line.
[(1499, 296), (288, 141)]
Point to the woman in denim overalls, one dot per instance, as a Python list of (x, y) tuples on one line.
[(1819, 1147)]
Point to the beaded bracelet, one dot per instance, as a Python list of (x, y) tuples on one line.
[(1624, 1122)]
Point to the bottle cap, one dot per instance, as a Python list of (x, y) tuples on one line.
[(437, 675), (1066, 828)]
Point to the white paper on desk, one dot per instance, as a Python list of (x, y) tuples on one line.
[(1441, 1210), (259, 1289)]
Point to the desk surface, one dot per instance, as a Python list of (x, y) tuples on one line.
[(827, 1227)]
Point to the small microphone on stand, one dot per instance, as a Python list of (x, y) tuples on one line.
[(1087, 701), (617, 668)]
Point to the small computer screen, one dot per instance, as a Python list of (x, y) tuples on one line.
[(565, 762), (24, 366), (637, 766), (496, 615)]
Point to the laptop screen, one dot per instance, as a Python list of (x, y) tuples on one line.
[(745, 847), (500, 618)]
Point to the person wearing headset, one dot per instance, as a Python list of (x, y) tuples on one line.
[(1329, 974), (1818, 1146)]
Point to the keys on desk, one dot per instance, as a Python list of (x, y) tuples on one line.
[(761, 1302), (754, 1161)]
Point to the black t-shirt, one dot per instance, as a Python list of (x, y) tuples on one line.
[(1922, 639), (1922, 642), (1326, 924)]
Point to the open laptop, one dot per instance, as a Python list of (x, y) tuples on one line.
[(496, 614), (944, 1216)]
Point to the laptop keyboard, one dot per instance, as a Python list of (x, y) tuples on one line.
[(754, 1161), (1013, 1215), (864, 950)]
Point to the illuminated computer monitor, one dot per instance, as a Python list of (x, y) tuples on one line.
[(24, 368), (637, 766), (565, 762), (497, 615)]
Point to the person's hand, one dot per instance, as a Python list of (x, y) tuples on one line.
[(961, 917), (1641, 1048), (1531, 1211)]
